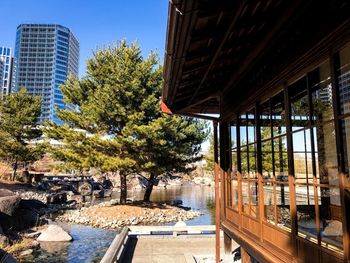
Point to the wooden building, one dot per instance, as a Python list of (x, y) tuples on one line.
[(275, 76)]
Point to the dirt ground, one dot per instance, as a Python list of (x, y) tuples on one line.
[(123, 212)]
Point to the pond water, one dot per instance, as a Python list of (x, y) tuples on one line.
[(90, 243)]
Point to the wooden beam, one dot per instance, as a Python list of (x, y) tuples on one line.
[(201, 100), (199, 116), (217, 53), (180, 24), (262, 45)]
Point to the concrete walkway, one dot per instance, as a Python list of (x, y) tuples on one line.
[(169, 249)]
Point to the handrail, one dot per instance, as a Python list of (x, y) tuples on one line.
[(163, 230), (114, 252)]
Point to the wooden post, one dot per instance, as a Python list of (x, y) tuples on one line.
[(228, 247), (245, 257), (217, 203)]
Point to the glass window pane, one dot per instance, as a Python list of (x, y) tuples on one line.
[(330, 217), (345, 127), (306, 217), (234, 136), (234, 162), (245, 207), (243, 130), (254, 203), (267, 162), (299, 104), (269, 209), (278, 117), (282, 204), (344, 80), (244, 162), (321, 92), (302, 157), (281, 159), (252, 161), (251, 126), (234, 192), (265, 121), (326, 154)]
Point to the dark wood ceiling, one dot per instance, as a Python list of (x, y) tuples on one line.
[(212, 45)]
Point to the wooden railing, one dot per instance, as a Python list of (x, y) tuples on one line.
[(115, 250), (171, 230)]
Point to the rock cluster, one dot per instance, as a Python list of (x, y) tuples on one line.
[(203, 180), (46, 198)]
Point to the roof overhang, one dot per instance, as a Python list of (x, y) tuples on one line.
[(226, 49)]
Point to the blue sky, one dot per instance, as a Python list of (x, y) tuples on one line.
[(94, 22)]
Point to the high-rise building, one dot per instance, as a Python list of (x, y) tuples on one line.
[(1, 71), (8, 71), (46, 55)]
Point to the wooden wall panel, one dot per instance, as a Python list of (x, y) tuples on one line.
[(280, 239), (232, 216)]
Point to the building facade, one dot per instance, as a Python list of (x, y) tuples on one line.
[(2, 63), (8, 72), (274, 77), (46, 55)]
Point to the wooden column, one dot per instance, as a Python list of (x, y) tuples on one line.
[(245, 257), (292, 195), (344, 194), (228, 247), (217, 202)]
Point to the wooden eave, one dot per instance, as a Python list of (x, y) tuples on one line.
[(222, 49)]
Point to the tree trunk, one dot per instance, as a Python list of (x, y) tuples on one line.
[(14, 173), (149, 188), (123, 189)]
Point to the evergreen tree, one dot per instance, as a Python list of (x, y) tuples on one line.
[(118, 125), (19, 113)]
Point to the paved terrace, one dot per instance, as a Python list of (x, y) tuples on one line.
[(164, 245)]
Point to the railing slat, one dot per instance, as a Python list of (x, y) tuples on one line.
[(115, 249)]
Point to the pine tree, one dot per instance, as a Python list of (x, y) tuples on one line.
[(19, 113), (118, 125)]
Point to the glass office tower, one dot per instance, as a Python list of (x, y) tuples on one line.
[(46, 55), (7, 71)]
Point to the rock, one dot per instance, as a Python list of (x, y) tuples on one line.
[(32, 204), (5, 192), (33, 235), (4, 241), (26, 253), (54, 233), (35, 244), (26, 215), (180, 224), (176, 202), (8, 204), (333, 228), (56, 198)]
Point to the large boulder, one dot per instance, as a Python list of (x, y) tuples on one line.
[(6, 192), (54, 233), (8, 204), (25, 215)]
